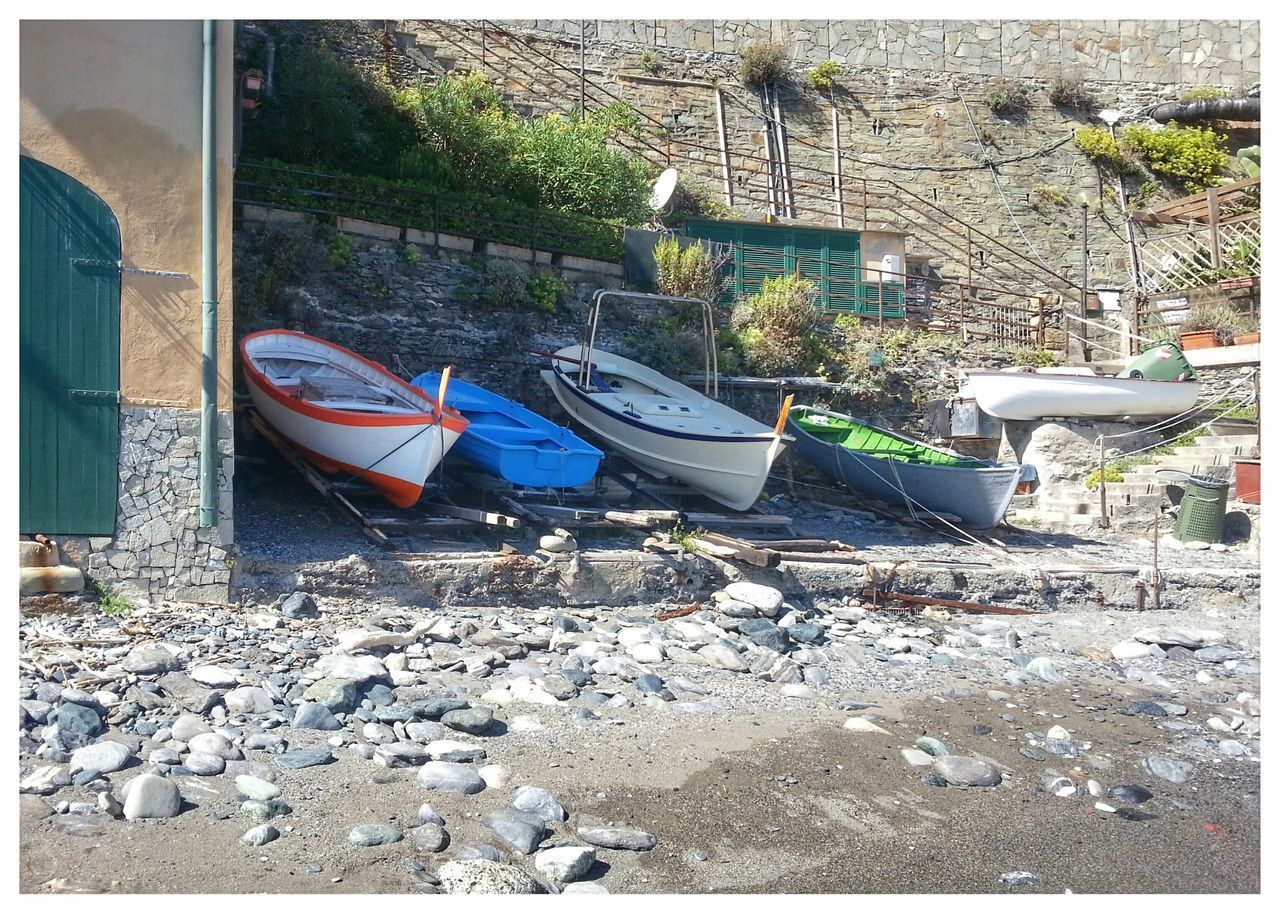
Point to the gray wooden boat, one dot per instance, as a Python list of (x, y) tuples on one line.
[(900, 470)]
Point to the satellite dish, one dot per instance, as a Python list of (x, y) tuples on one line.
[(662, 190)]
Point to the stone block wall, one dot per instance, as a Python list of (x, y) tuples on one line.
[(159, 550)]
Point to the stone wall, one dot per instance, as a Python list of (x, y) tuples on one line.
[(159, 550), (1129, 50)]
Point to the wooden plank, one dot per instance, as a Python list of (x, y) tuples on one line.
[(821, 557), (874, 594), (488, 518), (742, 550)]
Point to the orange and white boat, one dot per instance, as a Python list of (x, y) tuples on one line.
[(349, 414)]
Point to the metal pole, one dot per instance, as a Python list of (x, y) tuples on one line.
[(582, 68), (1105, 521), (768, 152), (1084, 280), (839, 184), (209, 283), (1155, 561), (784, 165), (724, 150)]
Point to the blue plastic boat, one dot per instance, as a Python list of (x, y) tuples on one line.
[(510, 441)]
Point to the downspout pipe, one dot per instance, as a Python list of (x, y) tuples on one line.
[(1194, 112), (209, 283)]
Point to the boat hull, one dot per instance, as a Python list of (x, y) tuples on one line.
[(1025, 396), (979, 496), (729, 469), (515, 443), (393, 454)]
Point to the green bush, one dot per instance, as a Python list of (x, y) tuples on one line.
[(690, 271), (1204, 93), (1047, 195), (777, 327), (1036, 358), (1113, 473), (1070, 92), (667, 346), (823, 76), (547, 291), (1006, 98), (506, 287), (267, 260), (764, 63), (649, 62), (1101, 148), (1222, 319), (1191, 157)]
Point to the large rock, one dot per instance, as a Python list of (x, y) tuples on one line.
[(1167, 636), (719, 656), (101, 757), (359, 669), (248, 700), (340, 695), (299, 605), (537, 801), (522, 831), (315, 716), (961, 770), (1063, 453), (189, 693), (450, 777), (482, 876), (151, 796), (617, 835), (449, 750), (563, 864), (765, 599), (77, 718), (150, 659), (473, 720)]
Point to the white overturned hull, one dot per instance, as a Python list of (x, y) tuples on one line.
[(1027, 396), (730, 468)]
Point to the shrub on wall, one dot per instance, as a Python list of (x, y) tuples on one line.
[(1006, 98), (777, 328), (823, 76), (1191, 157), (764, 63), (690, 271), (1101, 148), (1070, 92)]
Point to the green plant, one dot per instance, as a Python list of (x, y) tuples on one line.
[(1047, 195), (1070, 92), (337, 247), (1039, 358), (547, 291), (506, 287), (1112, 473), (649, 62), (1101, 148), (1204, 93), (1147, 192), (1006, 98), (1222, 319), (666, 346), (683, 536), (764, 63), (267, 260), (112, 604), (777, 327), (410, 254), (464, 295), (1248, 162), (687, 271), (823, 76), (1191, 157)]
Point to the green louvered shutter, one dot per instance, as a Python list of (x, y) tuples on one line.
[(844, 256)]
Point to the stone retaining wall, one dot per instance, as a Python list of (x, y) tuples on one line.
[(159, 550)]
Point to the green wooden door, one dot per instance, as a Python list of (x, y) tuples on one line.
[(69, 355)]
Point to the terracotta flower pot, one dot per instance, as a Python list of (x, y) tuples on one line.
[(1199, 339), (1247, 339)]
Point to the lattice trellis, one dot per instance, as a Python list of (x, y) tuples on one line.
[(1184, 260)]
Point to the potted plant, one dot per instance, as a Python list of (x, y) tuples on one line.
[(1208, 326), (1249, 333)]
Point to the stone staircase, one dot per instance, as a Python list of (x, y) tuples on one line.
[(40, 570), (1141, 493)]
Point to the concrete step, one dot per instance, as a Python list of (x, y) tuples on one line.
[(1213, 453), (34, 554), (1051, 518), (1235, 440), (61, 579)]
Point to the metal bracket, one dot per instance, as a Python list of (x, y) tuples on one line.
[(113, 395)]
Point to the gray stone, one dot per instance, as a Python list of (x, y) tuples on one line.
[(44, 781), (1168, 769), (1167, 636), (261, 810), (615, 835), (450, 777), (482, 876), (299, 605), (719, 656), (256, 788), (359, 669), (187, 692), (763, 598), (449, 750), (248, 700), (425, 732), (303, 757), (340, 695), (479, 851), (150, 796), (374, 835), (315, 716), (101, 758), (188, 726), (932, 747), (520, 830), (473, 720), (564, 864), (960, 770), (149, 659), (1043, 668), (260, 835), (76, 718), (205, 765), (806, 633), (214, 743), (538, 801), (401, 754), (429, 838), (427, 815), (435, 708)]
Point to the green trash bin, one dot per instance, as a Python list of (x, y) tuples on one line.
[(1204, 505), (1162, 361)]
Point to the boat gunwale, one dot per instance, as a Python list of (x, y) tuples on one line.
[(1107, 378), (449, 418), (979, 462)]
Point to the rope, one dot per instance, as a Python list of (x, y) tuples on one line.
[(995, 179), (1103, 326), (1174, 419)]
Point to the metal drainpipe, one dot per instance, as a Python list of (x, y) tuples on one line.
[(209, 282)]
